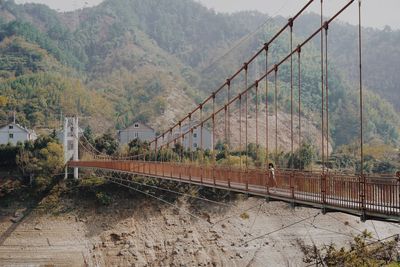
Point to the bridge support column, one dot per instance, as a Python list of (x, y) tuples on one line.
[(323, 210), (362, 197), (76, 145), (65, 144), (323, 192), (66, 172), (293, 202)]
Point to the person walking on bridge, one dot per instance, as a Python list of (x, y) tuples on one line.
[(271, 170)]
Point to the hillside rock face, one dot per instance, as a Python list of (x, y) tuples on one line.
[(309, 131)]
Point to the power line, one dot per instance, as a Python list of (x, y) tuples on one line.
[(176, 192), (348, 225), (280, 229), (328, 230), (255, 218), (245, 38), (160, 199), (234, 215)]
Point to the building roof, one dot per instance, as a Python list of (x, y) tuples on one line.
[(142, 127)]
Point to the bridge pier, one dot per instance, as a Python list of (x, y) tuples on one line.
[(363, 217), (324, 210)]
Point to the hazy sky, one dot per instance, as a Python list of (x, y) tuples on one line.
[(376, 13)]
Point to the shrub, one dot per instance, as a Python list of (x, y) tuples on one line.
[(245, 216), (103, 198)]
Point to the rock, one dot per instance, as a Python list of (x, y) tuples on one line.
[(123, 252), (239, 255), (115, 237), (38, 227), (17, 218), (148, 244), (133, 252), (19, 212)]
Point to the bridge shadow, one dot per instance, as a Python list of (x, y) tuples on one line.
[(129, 206), (29, 209)]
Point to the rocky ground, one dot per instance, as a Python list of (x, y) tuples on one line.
[(142, 231)]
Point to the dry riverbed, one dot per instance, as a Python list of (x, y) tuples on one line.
[(142, 231)]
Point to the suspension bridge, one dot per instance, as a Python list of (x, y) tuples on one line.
[(359, 193)]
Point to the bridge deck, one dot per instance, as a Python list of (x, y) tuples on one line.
[(330, 191)]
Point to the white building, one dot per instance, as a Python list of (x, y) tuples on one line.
[(199, 139), (14, 133), (139, 131)]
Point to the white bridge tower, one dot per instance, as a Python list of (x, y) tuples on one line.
[(71, 142)]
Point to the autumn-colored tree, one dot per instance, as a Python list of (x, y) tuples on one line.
[(361, 252)]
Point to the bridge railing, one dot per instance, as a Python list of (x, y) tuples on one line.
[(380, 196)]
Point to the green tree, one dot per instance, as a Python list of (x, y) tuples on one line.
[(41, 161), (106, 144), (138, 147), (51, 159), (384, 167), (88, 135), (303, 157)]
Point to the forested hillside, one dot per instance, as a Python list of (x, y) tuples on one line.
[(381, 55), (123, 60)]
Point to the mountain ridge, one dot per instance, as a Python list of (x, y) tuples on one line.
[(134, 59)]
